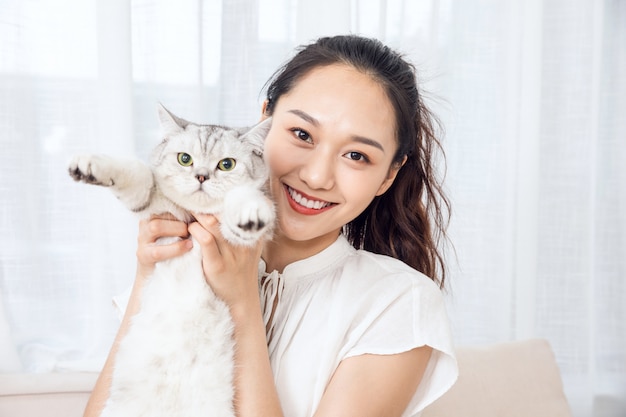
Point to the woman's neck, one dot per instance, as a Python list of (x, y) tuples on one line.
[(282, 251)]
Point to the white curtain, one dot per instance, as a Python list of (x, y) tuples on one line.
[(531, 93)]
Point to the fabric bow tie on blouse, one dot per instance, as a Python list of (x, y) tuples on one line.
[(271, 286)]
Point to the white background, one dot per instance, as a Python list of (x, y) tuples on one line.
[(531, 94)]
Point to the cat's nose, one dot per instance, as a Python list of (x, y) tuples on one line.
[(202, 177)]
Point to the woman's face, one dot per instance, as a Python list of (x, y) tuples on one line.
[(329, 150)]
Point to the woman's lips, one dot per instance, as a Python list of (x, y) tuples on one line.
[(305, 204)]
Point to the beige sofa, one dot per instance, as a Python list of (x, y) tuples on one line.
[(516, 379)]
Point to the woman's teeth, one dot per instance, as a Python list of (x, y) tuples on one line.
[(312, 204)]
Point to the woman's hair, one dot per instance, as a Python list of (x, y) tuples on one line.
[(408, 221)]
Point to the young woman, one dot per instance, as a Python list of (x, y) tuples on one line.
[(345, 325)]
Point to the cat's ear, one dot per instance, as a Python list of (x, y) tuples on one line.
[(256, 135), (170, 123)]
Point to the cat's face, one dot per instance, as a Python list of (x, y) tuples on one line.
[(196, 165)]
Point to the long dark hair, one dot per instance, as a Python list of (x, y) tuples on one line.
[(408, 221)]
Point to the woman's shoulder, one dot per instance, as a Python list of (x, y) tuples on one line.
[(348, 272), (383, 269)]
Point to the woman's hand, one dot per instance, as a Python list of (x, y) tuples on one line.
[(231, 271), (149, 252)]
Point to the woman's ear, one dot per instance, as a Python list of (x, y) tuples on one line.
[(391, 176), (264, 114)]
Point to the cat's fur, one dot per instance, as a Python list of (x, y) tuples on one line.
[(177, 357)]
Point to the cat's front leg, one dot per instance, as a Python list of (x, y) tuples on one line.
[(130, 180), (248, 214)]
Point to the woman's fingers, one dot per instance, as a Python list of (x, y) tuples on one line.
[(206, 231), (149, 251), (153, 253), (156, 227), (230, 270)]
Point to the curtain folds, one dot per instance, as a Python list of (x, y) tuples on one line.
[(531, 94)]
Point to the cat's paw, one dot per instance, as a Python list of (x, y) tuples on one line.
[(248, 215), (91, 169)]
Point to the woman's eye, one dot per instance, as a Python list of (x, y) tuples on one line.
[(226, 164), (302, 134), (356, 156), (185, 159)]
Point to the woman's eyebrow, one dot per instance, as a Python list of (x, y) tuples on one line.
[(305, 116), (361, 139), (368, 141)]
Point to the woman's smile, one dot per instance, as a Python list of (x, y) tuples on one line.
[(306, 204)]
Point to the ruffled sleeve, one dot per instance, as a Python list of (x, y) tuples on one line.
[(403, 311)]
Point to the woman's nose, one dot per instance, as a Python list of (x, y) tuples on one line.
[(318, 170)]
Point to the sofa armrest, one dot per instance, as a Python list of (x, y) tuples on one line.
[(50, 394), (514, 379)]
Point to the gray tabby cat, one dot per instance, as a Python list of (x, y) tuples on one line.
[(177, 357)]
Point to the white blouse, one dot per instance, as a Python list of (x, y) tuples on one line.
[(344, 302)]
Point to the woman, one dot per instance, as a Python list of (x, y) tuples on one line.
[(340, 328)]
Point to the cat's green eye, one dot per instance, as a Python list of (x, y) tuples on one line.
[(185, 159), (226, 164)]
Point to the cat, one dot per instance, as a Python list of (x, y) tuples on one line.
[(177, 357)]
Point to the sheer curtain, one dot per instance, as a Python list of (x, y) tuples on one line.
[(531, 93)]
